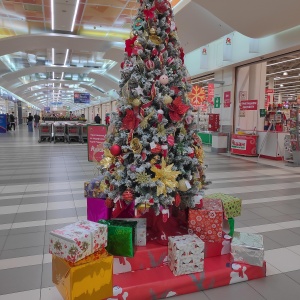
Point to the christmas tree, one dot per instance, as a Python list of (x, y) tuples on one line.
[(152, 153)]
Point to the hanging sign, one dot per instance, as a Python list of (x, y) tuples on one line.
[(204, 58), (197, 96), (227, 47), (217, 102), (262, 112), (210, 92), (269, 91), (227, 99), (248, 105), (81, 98), (95, 138)]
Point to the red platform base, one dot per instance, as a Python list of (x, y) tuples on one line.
[(160, 283)]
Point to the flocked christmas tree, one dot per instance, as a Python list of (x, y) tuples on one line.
[(152, 154)]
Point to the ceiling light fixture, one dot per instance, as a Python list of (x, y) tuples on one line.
[(53, 76), (285, 73), (75, 14), (53, 56), (52, 14), (281, 85), (283, 61)]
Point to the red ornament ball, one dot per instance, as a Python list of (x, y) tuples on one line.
[(109, 203), (115, 150), (154, 52), (150, 64), (128, 195)]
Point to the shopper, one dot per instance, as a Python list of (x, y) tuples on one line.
[(97, 119), (36, 120), (107, 119), (29, 122), (12, 121), (7, 122)]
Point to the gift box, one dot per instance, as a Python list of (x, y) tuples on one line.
[(121, 237), (213, 249), (207, 222), (152, 255), (185, 254), (141, 230), (160, 283), (248, 248), (78, 240), (232, 206), (92, 188), (97, 210), (88, 279)]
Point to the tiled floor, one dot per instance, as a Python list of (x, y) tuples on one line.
[(41, 188)]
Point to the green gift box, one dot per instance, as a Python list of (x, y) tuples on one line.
[(232, 206), (120, 237)]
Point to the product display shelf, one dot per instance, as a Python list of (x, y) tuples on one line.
[(295, 135), (160, 283)]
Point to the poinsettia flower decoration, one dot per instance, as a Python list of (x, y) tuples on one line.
[(149, 13), (177, 109), (129, 44), (130, 121)]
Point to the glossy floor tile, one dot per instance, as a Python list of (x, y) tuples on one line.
[(41, 189)]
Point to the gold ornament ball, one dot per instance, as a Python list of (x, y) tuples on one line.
[(167, 99), (132, 34), (136, 102), (136, 43), (182, 185), (152, 30)]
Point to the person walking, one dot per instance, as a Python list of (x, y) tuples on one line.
[(7, 122), (29, 122), (12, 121), (36, 120), (97, 119)]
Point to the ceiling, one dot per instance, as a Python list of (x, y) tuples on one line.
[(51, 48)]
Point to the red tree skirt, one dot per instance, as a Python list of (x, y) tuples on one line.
[(160, 283)]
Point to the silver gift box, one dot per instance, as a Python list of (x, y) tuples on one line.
[(248, 248)]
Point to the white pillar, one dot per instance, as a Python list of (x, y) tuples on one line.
[(271, 86), (279, 98)]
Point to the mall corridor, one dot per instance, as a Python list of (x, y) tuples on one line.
[(41, 188)]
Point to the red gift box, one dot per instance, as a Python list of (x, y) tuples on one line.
[(207, 222), (150, 256), (160, 283)]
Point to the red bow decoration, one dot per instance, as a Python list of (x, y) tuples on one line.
[(130, 121), (149, 13), (181, 54), (129, 44), (175, 89), (177, 109)]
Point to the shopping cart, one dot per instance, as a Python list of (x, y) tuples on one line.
[(83, 133), (58, 132), (72, 133), (45, 132)]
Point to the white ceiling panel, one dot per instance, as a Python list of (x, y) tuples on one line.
[(255, 18)]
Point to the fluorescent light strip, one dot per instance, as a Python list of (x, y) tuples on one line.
[(280, 72), (281, 62), (53, 77), (285, 77), (66, 57), (75, 14), (53, 56), (52, 14)]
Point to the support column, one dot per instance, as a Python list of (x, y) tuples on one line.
[(271, 86)]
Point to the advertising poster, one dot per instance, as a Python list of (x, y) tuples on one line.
[(3, 124), (95, 140), (82, 98), (248, 105)]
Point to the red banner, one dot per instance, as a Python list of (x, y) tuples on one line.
[(248, 105), (227, 98), (96, 137), (210, 92), (269, 91)]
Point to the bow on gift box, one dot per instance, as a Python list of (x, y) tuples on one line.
[(177, 109)]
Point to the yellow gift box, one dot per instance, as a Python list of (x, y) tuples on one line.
[(87, 279)]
